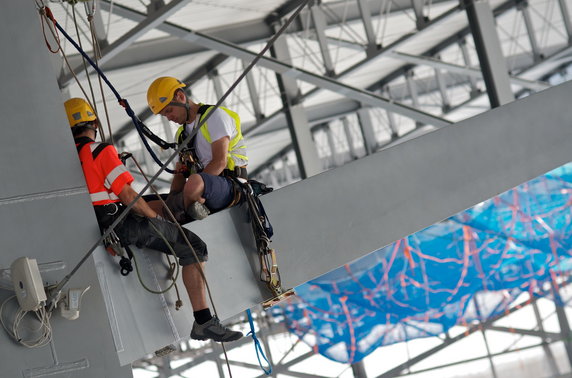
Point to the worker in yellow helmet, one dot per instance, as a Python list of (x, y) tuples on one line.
[(109, 186), (212, 157)]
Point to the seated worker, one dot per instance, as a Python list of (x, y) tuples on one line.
[(217, 151), (109, 186)]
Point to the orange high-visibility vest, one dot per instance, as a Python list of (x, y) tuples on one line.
[(105, 174)]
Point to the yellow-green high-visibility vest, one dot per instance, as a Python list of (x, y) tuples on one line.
[(236, 147)]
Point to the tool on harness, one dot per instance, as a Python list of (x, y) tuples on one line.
[(189, 158), (188, 154), (250, 191), (113, 245)]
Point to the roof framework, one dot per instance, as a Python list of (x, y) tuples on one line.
[(407, 69), (365, 75)]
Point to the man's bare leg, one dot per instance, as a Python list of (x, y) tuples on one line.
[(195, 286), (211, 329)]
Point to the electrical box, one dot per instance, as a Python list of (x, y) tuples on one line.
[(27, 283)]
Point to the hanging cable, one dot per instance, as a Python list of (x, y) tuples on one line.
[(178, 149), (57, 289), (257, 347), (188, 242), (56, 292), (141, 128), (96, 56), (92, 103), (56, 36)]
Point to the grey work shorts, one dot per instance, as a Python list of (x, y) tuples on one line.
[(140, 232)]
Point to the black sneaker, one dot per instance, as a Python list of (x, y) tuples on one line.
[(215, 331)]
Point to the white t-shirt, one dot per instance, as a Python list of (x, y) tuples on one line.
[(220, 124)]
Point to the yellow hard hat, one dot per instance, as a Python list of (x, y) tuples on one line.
[(161, 92), (79, 111)]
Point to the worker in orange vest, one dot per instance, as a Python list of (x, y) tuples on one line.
[(109, 186)]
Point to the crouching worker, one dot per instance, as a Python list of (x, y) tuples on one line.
[(109, 186), (216, 153)]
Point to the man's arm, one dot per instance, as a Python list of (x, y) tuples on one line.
[(140, 207), (220, 152), (179, 179)]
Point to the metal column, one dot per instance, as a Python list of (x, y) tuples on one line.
[(545, 347), (493, 65), (217, 85), (563, 322), (442, 90), (467, 59), (368, 27), (349, 138), (320, 23), (253, 93), (366, 126), (566, 18), (489, 356), (358, 368), (523, 7), (421, 20), (308, 160)]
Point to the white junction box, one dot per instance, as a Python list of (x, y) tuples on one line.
[(27, 283)]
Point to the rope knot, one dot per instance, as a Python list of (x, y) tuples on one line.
[(49, 14)]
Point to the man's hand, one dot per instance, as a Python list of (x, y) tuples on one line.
[(111, 251)]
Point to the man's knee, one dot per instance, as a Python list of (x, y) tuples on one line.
[(194, 188)]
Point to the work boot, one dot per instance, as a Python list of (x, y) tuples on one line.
[(198, 211), (214, 330)]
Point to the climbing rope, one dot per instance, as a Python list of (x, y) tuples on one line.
[(92, 103), (56, 292), (257, 347), (96, 56), (188, 242), (141, 128), (43, 11)]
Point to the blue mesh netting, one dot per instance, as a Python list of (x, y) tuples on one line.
[(424, 284)]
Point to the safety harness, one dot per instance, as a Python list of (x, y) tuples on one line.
[(106, 215), (250, 191)]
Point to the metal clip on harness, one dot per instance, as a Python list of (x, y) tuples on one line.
[(269, 272)]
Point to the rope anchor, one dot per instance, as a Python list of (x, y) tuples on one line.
[(262, 229)]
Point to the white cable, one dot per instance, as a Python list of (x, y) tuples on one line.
[(44, 328)]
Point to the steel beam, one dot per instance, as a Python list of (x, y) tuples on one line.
[(365, 12), (420, 19), (246, 32), (306, 154), (253, 94), (449, 341), (464, 70), (366, 126), (489, 356), (358, 369), (536, 53), (564, 12), (217, 85), (349, 138), (545, 341), (467, 60), (563, 321), (287, 70), (528, 332), (493, 65), (442, 85), (320, 24), (151, 22)]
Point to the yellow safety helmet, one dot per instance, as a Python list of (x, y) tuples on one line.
[(79, 111), (161, 92)]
